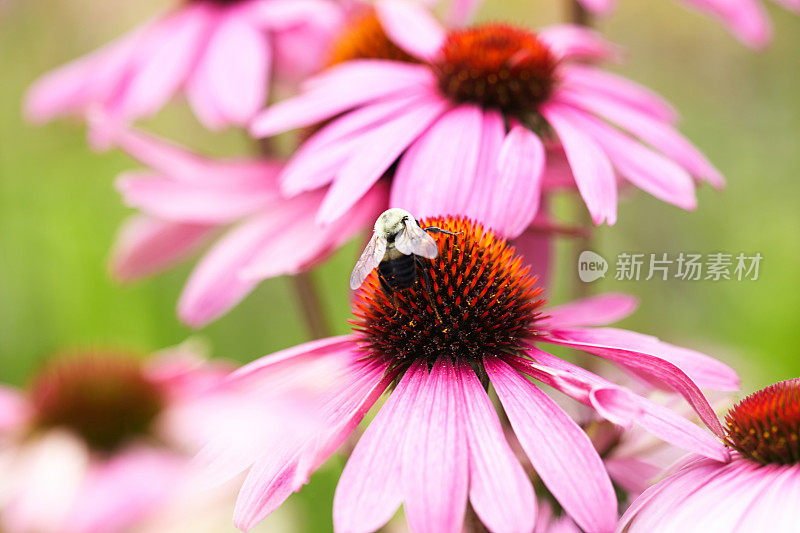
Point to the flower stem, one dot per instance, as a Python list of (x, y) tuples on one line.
[(473, 524), (310, 304), (575, 13)]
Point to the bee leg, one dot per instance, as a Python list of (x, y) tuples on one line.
[(387, 289), (434, 229)]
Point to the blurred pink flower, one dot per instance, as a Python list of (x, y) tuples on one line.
[(746, 19), (757, 490), (222, 54), (479, 124), (188, 200), (95, 445), (437, 440)]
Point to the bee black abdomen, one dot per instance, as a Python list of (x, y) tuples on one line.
[(397, 274)]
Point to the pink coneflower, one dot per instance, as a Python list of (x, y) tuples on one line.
[(633, 457), (94, 445), (473, 124), (188, 200), (469, 323), (221, 53), (757, 490), (745, 19)]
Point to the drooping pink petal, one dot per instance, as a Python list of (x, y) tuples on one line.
[(597, 310), (369, 489), (622, 90), (341, 88), (747, 20), (590, 166), (204, 104), (517, 188), (379, 149), (656, 368), (569, 42), (343, 412), (645, 168), (184, 371), (92, 78), (291, 359), (660, 135), (164, 61), (411, 27), (146, 245), (493, 133), (125, 490), (215, 285), (225, 275), (449, 150), (179, 163), (61, 91), (292, 384), (631, 473), (275, 471), (45, 480), (561, 453), (499, 489), (320, 157), (303, 242), (435, 461), (674, 488), (196, 203), (158, 154), (236, 68), (706, 371), (659, 420), (315, 393)]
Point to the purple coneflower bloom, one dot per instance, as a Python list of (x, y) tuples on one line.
[(473, 320), (221, 53), (474, 122), (99, 443), (757, 490)]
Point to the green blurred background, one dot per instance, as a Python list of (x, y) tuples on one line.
[(59, 211)]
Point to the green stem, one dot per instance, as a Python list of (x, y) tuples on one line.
[(576, 13), (310, 304)]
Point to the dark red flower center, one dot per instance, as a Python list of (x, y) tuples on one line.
[(765, 426), (496, 66), (476, 298), (363, 38), (104, 398)]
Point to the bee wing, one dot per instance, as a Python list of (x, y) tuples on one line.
[(415, 240), (370, 258)]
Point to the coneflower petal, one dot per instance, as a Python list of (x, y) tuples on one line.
[(557, 448), (435, 460), (499, 489)]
